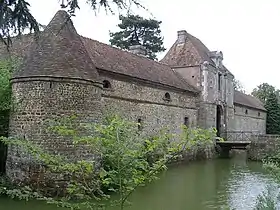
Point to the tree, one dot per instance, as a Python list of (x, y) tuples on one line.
[(15, 16), (273, 114), (238, 86), (263, 91), (136, 30)]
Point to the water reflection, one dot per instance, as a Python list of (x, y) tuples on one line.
[(203, 185)]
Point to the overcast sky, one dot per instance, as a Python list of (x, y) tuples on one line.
[(246, 31)]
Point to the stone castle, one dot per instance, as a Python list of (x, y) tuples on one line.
[(64, 73)]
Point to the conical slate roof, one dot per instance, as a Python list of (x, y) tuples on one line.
[(59, 52)]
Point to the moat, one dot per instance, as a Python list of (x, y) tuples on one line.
[(201, 185)]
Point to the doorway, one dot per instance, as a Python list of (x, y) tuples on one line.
[(219, 120)]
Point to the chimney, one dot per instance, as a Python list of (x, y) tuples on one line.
[(182, 36), (138, 50)]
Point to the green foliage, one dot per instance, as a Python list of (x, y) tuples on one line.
[(263, 91), (273, 114), (15, 16), (270, 97), (135, 30), (5, 85), (118, 161)]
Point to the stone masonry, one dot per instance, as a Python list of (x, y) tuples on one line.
[(64, 73)]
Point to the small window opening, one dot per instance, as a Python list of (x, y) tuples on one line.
[(246, 111), (139, 124), (167, 96), (192, 76), (51, 85), (219, 81), (259, 114), (186, 121), (234, 110), (106, 84)]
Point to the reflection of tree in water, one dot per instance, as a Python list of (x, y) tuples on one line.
[(246, 181)]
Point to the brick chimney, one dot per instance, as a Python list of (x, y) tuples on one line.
[(182, 36), (138, 50)]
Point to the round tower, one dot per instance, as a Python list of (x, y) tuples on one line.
[(57, 79)]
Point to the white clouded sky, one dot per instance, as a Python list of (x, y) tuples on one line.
[(246, 31)]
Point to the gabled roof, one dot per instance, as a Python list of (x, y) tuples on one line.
[(248, 100), (61, 52), (119, 61), (187, 52), (58, 52)]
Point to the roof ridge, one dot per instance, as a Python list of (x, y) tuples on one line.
[(126, 51)]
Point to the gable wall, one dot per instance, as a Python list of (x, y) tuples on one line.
[(135, 100), (190, 74)]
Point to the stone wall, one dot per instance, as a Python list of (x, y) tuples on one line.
[(147, 104), (263, 145), (248, 119), (37, 102)]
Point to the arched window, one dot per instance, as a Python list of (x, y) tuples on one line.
[(246, 111), (259, 114), (106, 84), (167, 96)]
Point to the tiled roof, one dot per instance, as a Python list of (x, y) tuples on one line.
[(119, 61), (248, 100), (59, 52), (190, 52)]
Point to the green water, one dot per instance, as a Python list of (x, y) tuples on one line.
[(196, 186)]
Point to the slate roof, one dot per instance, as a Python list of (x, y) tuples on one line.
[(59, 52), (248, 100)]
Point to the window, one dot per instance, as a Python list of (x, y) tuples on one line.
[(106, 84), (219, 81), (186, 121), (246, 111), (139, 124), (259, 114), (167, 96)]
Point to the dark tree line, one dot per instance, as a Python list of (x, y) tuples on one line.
[(270, 96)]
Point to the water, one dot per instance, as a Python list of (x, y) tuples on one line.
[(203, 185)]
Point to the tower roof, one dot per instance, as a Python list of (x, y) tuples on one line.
[(59, 52)]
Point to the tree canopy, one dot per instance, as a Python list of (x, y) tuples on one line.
[(135, 30), (15, 15), (270, 96), (264, 90), (237, 85)]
